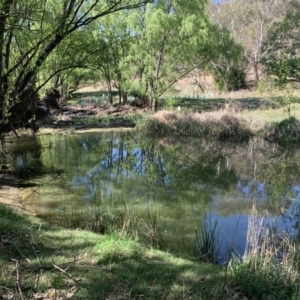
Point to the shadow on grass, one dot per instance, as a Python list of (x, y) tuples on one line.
[(155, 277), (95, 266)]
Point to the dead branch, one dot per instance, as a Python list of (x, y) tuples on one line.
[(33, 249), (18, 279), (16, 247), (64, 272), (115, 110)]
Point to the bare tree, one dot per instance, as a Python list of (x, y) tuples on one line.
[(250, 22)]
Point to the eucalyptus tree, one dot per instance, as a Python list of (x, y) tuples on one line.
[(250, 22), (283, 61), (29, 33)]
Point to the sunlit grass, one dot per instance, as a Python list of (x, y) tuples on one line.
[(272, 115), (84, 265)]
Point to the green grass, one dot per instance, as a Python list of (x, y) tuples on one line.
[(87, 265), (270, 266), (247, 114)]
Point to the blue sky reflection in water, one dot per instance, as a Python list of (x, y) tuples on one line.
[(181, 180)]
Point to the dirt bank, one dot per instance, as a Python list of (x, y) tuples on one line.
[(10, 194)]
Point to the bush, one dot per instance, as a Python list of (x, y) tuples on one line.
[(285, 132), (231, 80)]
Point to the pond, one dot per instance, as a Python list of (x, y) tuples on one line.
[(181, 183)]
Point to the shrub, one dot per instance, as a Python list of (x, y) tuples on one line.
[(269, 268), (230, 80)]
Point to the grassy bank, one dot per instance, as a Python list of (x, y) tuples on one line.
[(225, 124), (39, 261), (221, 124)]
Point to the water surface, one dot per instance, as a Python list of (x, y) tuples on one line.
[(182, 181)]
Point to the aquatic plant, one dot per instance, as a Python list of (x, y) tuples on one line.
[(206, 247), (109, 219), (269, 268)]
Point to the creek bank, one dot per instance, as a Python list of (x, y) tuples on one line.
[(10, 193)]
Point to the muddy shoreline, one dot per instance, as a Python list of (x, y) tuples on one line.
[(10, 194)]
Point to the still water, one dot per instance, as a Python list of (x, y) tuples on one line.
[(184, 182)]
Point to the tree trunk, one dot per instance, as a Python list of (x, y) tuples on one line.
[(153, 105), (256, 72), (109, 89)]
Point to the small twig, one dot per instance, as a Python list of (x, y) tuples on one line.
[(18, 278), (37, 276), (33, 249), (64, 272), (5, 288), (16, 247), (64, 267)]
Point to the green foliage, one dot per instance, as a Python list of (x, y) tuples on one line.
[(286, 132), (289, 99), (206, 241), (283, 61), (286, 69), (171, 102), (267, 85), (97, 266), (230, 80), (259, 277), (49, 43), (170, 39), (226, 65)]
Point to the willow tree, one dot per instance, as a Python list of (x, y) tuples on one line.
[(171, 36), (69, 64), (29, 33)]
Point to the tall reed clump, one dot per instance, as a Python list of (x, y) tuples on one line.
[(206, 241), (220, 124), (124, 220), (94, 219), (270, 267)]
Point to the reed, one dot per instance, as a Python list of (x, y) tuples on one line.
[(104, 220), (206, 247), (269, 268)]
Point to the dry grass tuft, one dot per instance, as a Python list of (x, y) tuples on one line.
[(221, 124), (270, 266)]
